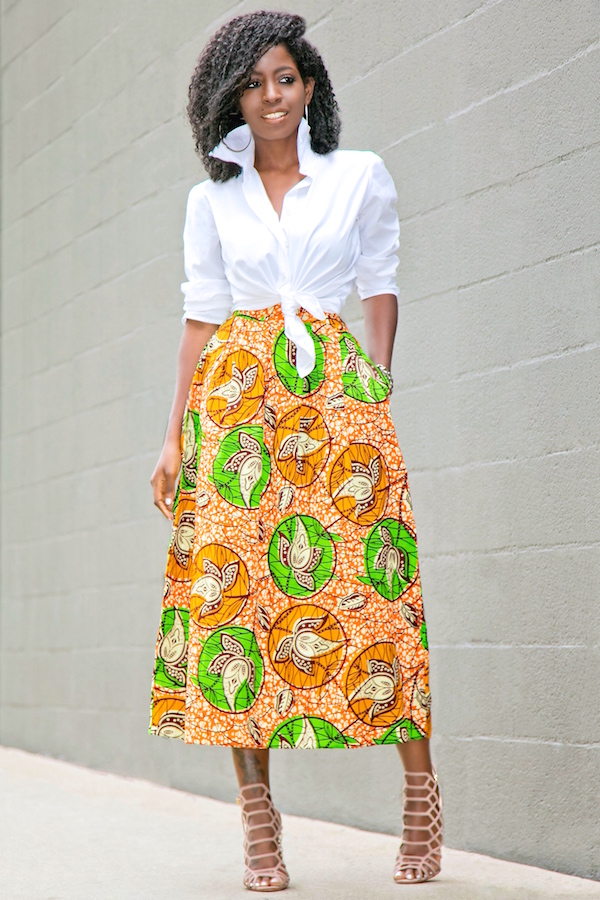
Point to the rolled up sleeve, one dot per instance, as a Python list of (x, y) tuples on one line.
[(378, 232), (207, 294)]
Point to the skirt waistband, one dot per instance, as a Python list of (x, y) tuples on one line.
[(272, 308)]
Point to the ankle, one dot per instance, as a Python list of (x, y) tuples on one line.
[(256, 790)]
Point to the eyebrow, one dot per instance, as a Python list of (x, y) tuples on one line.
[(278, 69)]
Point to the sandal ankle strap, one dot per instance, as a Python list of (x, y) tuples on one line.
[(250, 795), (421, 787)]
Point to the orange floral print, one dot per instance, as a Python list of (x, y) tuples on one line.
[(292, 614)]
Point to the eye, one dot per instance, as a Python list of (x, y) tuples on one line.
[(252, 84), (288, 79)]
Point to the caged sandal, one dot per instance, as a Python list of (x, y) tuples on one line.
[(421, 787), (250, 795)]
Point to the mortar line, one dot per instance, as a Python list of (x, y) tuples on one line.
[(89, 110), (516, 550), (490, 645), (324, 19), (480, 10), (104, 162), (83, 177), (525, 175), (511, 460), (592, 745), (94, 287), (590, 48), (494, 370), (524, 363), (490, 279), (74, 63), (36, 40)]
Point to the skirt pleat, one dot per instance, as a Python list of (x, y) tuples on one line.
[(292, 614)]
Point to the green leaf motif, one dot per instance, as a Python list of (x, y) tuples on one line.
[(242, 466), (284, 361), (308, 733), (400, 732), (391, 558), (176, 497), (230, 669), (301, 556), (192, 440), (164, 675), (361, 378), (169, 617)]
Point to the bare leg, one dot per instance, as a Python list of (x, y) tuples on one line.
[(415, 757), (252, 767)]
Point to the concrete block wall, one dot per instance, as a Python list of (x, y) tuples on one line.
[(486, 113)]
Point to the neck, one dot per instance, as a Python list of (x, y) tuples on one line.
[(279, 156)]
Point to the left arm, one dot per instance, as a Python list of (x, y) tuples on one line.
[(381, 317), (376, 265)]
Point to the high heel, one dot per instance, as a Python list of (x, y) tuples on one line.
[(423, 787), (250, 795)]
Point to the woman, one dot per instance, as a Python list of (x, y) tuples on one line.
[(292, 614)]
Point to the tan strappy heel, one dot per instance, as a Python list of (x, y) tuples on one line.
[(423, 787), (251, 799)]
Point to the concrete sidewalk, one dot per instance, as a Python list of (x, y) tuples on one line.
[(70, 833)]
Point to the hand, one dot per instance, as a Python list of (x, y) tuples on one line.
[(164, 477)]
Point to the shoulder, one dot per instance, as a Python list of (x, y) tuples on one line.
[(197, 198), (360, 167), (208, 196), (358, 161), (365, 173), (202, 192), (208, 190)]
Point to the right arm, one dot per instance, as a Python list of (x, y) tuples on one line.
[(207, 304), (195, 336)]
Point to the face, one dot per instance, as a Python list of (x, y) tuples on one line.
[(274, 97)]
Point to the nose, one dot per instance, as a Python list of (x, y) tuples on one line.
[(271, 91)]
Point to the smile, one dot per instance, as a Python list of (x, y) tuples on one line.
[(274, 115)]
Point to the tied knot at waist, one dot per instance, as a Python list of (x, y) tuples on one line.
[(295, 329)]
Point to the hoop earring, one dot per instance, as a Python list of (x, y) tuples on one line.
[(306, 113), (241, 150)]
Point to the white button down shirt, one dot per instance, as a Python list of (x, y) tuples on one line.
[(338, 228)]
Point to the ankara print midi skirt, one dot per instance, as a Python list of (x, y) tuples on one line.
[(292, 613)]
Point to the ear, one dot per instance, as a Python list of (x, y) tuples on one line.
[(309, 88)]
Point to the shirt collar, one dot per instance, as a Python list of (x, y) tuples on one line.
[(240, 149)]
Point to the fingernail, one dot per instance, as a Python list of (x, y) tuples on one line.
[(168, 501)]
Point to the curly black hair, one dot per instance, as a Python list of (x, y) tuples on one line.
[(222, 72)]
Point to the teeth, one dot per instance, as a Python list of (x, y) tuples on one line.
[(278, 115)]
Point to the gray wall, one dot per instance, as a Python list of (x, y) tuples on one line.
[(487, 115)]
